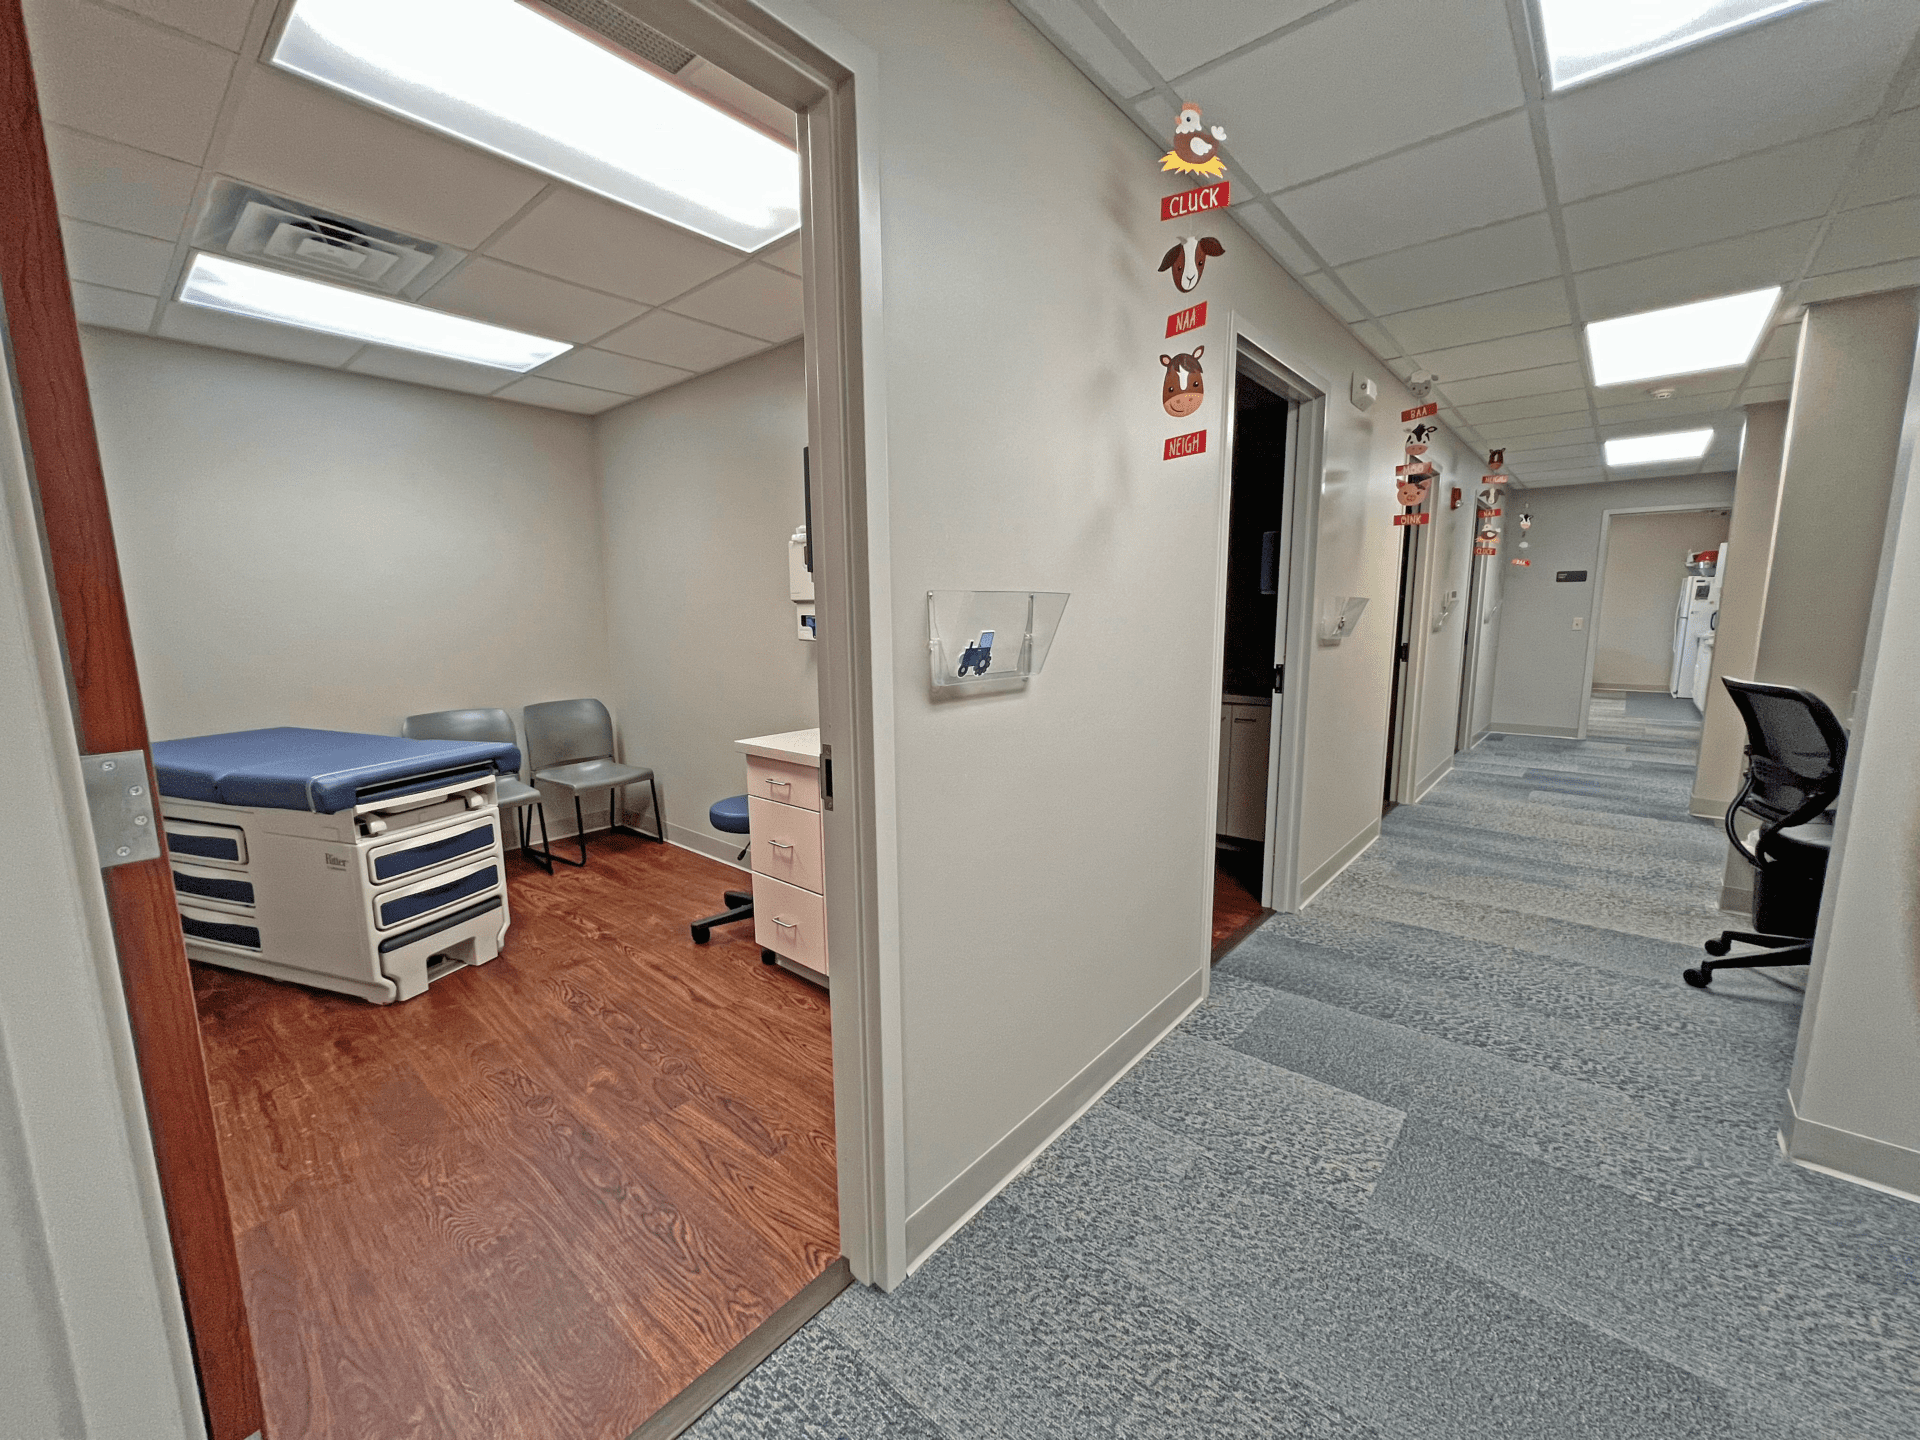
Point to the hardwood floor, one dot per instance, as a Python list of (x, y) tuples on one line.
[(540, 1199), (1237, 910)]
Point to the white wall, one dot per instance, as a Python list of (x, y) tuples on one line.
[(1541, 683), (1640, 591), (700, 487), (307, 547), (1856, 1080), (1023, 449)]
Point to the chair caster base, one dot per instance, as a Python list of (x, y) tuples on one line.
[(701, 934), (767, 957), (1699, 979), (1717, 947)]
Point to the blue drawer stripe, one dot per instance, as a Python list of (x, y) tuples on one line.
[(405, 907), (247, 935), (437, 852), (210, 847), (238, 891)]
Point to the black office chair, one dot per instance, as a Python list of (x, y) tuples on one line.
[(1796, 751)]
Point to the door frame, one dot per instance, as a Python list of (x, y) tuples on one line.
[(787, 50), (1279, 370)]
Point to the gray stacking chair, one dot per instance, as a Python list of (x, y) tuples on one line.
[(510, 791), (570, 746)]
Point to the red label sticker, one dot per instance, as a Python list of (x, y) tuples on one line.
[(1419, 467), (1523, 562), (1412, 519), (1494, 479), (1192, 202), (1191, 318), (1420, 412), (1489, 514), (1181, 446), (1486, 549)]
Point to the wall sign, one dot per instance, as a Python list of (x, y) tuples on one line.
[(1191, 318), (1419, 412), (1523, 562), (1196, 148), (1486, 549), (1421, 519), (1569, 576), (1192, 202), (1181, 446)]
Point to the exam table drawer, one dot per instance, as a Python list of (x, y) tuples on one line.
[(790, 921), (428, 852), (211, 885), (786, 842), (426, 898), (207, 844), (782, 781), (219, 927)]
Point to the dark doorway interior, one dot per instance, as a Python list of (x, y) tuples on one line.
[(1402, 645)]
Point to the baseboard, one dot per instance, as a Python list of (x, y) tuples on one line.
[(1702, 808), (1422, 787), (962, 1197), (1740, 902), (714, 847), (677, 1416), (1557, 732), (1343, 857), (1877, 1164)]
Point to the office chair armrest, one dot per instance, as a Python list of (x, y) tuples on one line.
[(1733, 833)]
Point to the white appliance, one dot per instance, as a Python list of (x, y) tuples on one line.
[(1702, 672), (1694, 619)]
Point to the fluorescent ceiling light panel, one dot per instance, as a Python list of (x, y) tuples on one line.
[(260, 294), (499, 75), (1680, 340), (1652, 449), (1590, 38)]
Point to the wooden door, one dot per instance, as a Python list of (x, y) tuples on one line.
[(63, 457)]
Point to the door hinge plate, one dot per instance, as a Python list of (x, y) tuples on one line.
[(826, 777), (1279, 679), (120, 801)]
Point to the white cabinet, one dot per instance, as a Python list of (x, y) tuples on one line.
[(789, 868), (1241, 807)]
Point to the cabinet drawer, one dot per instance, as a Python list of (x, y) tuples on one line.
[(209, 844), (427, 898), (780, 780), (790, 921), (211, 887), (429, 852), (786, 842)]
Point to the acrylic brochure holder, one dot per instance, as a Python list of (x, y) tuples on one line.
[(975, 636)]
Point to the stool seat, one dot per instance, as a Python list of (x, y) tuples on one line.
[(729, 815)]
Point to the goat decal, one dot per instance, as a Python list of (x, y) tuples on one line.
[(1184, 388), (1188, 258)]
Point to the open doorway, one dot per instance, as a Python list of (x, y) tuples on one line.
[(584, 1160), (1392, 781), (1252, 665), (1656, 612)]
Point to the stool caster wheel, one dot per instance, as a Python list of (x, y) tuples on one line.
[(1717, 947), (767, 957), (701, 934), (1698, 979)]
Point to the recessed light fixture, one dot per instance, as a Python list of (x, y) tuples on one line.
[(499, 75), (1680, 340), (1590, 38), (218, 283), (1652, 449)]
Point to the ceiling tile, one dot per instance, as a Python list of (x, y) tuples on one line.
[(1726, 267), (1805, 73), (200, 326), (674, 340), (1683, 386), (1496, 357), (1513, 433), (557, 395), (434, 370), (119, 186), (1461, 182), (1771, 372), (1526, 407), (1679, 413), (1259, 222), (1760, 394), (1086, 43), (756, 299), (113, 309), (1872, 236), (594, 242), (294, 138), (603, 370), (1758, 192), (224, 22), (1495, 258), (786, 256), (1177, 38), (1585, 448), (1330, 295), (1893, 169), (117, 258), (1375, 338), (1347, 87), (1539, 306), (1896, 275), (1546, 380), (523, 300), (105, 72)]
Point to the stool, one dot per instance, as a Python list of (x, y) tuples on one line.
[(728, 816)]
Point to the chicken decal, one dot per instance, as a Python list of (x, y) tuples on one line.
[(1184, 388), (1196, 150)]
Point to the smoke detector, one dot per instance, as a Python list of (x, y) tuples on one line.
[(291, 235), (1664, 392)]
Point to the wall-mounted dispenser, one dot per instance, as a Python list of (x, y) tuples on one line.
[(1447, 602), (1338, 617), (976, 635), (800, 583)]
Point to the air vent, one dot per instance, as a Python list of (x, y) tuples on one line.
[(612, 23), (289, 235)]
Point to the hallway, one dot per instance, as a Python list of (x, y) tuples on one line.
[(1452, 1154)]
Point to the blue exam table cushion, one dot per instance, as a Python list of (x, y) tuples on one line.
[(289, 768)]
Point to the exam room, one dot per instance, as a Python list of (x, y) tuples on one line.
[(539, 1191)]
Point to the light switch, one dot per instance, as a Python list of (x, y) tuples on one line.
[(1579, 622)]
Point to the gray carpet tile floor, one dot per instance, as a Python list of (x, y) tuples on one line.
[(1452, 1153)]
